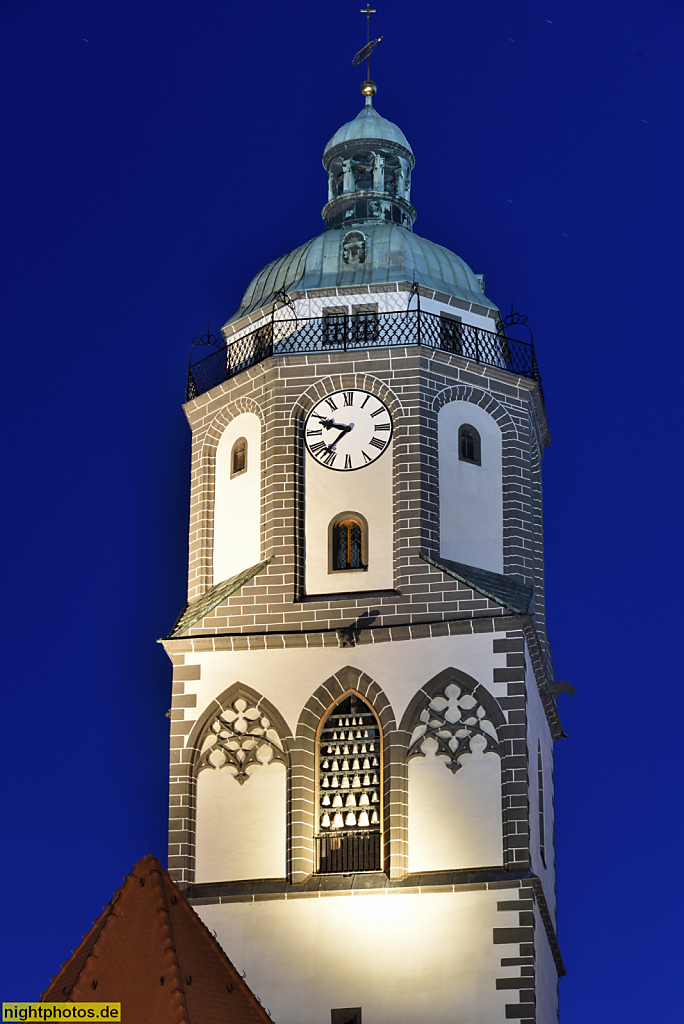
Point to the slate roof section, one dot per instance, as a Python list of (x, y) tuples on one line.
[(150, 951), (212, 598), (504, 590)]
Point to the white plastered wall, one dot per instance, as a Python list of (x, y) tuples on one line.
[(470, 496), (237, 501), (367, 491), (401, 958), (289, 676), (240, 829), (455, 818)]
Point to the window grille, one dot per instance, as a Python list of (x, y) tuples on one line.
[(469, 444), (348, 545), (349, 801), (365, 323), (451, 333), (335, 325), (238, 462)]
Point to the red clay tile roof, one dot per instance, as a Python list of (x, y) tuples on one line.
[(150, 951)]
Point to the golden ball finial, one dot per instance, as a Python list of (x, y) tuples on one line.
[(368, 88)]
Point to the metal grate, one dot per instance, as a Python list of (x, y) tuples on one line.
[(348, 851), (361, 331)]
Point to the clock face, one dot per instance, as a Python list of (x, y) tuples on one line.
[(348, 430)]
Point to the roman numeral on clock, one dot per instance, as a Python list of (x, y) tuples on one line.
[(330, 402), (382, 426), (319, 446), (379, 411), (377, 442), (349, 398), (348, 462), (312, 433), (329, 457)]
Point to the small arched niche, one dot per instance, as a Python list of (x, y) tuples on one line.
[(238, 457), (354, 248)]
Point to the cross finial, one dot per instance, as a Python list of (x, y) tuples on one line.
[(365, 53)]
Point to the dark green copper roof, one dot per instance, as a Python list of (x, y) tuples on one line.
[(393, 254), (503, 589), (212, 598)]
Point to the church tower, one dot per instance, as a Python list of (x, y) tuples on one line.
[(364, 708)]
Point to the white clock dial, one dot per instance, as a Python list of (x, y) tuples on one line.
[(348, 430)]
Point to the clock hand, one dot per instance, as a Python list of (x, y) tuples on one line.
[(343, 429), (330, 423)]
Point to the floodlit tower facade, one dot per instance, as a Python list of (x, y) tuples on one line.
[(364, 714)]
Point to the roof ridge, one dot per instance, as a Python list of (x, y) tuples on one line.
[(144, 950), (217, 948), (169, 949)]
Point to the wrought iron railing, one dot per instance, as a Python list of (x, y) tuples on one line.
[(344, 333), (348, 851)]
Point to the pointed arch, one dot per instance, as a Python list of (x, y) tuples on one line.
[(239, 766), (436, 686), (452, 721), (303, 773), (225, 702)]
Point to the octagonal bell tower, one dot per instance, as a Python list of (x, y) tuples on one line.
[(364, 714)]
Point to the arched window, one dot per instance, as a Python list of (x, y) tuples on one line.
[(349, 812), (238, 457), (349, 543), (354, 248), (469, 444)]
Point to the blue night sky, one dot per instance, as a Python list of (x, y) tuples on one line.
[(156, 156)]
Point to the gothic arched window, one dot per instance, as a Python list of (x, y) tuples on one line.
[(349, 542), (238, 457), (349, 811), (469, 444)]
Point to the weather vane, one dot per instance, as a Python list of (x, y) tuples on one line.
[(368, 87)]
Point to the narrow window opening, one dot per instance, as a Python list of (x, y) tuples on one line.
[(238, 458), (451, 333), (348, 545), (540, 786), (366, 323), (349, 792), (335, 325), (469, 447)]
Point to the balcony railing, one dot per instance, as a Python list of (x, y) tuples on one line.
[(344, 333)]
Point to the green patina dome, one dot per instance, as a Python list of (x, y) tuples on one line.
[(393, 254), (367, 125), (369, 217)]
